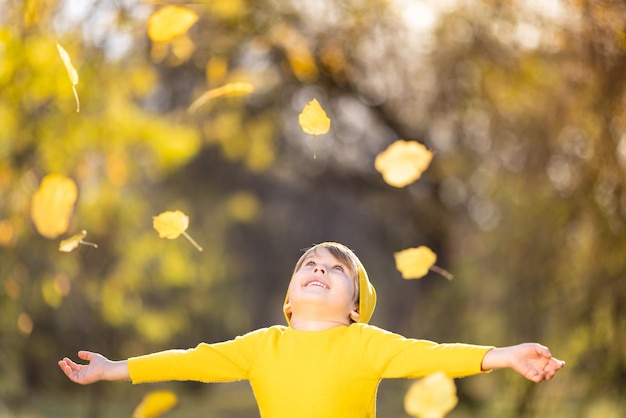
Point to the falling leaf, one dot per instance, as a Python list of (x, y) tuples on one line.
[(403, 162), (230, 89), (71, 72), (170, 22), (155, 404), (431, 397), (70, 244), (171, 224), (313, 120), (415, 263), (52, 204)]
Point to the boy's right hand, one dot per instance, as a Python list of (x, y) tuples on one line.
[(99, 368)]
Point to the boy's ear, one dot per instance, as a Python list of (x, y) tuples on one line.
[(354, 314), (287, 308)]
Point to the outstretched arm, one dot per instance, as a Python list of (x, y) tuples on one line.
[(99, 368), (531, 360)]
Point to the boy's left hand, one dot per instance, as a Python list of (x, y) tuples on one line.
[(534, 362), (531, 360)]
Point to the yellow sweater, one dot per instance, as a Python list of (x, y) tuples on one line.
[(330, 373)]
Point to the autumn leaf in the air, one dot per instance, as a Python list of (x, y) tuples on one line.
[(314, 121), (70, 244), (170, 22), (172, 224), (155, 403), (52, 205), (403, 162), (71, 72), (230, 89), (431, 397), (414, 263)]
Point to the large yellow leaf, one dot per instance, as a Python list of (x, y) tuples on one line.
[(71, 72), (52, 205), (431, 397), (313, 120), (169, 22), (171, 224), (415, 263), (155, 404), (403, 162)]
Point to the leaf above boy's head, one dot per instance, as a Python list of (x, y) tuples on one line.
[(52, 205), (155, 403), (170, 22), (313, 120), (414, 263), (171, 224), (70, 244), (431, 397), (71, 72), (403, 162)]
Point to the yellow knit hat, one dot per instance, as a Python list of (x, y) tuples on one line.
[(367, 293)]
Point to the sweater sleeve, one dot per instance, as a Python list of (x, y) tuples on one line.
[(394, 356), (221, 362)]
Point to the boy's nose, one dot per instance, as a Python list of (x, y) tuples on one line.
[(320, 269)]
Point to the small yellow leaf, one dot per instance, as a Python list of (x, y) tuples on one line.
[(403, 162), (230, 89), (52, 205), (414, 263), (169, 22), (171, 224), (431, 397), (313, 120), (70, 244), (71, 72), (155, 404)]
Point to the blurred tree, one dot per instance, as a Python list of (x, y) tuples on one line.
[(524, 202)]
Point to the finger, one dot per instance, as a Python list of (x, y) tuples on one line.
[(85, 355)]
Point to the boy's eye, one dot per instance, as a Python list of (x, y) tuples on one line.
[(338, 267), (309, 263)]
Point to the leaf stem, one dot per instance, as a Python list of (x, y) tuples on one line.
[(192, 241), (91, 244), (446, 274), (76, 97)]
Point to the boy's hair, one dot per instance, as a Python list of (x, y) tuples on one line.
[(365, 294)]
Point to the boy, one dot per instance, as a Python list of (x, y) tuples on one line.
[(327, 362)]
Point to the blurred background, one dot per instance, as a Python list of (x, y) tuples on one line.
[(522, 102)]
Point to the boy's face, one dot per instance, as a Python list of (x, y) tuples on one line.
[(324, 281)]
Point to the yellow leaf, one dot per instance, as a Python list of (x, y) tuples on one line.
[(415, 263), (155, 403), (67, 245), (169, 22), (431, 397), (230, 89), (403, 162), (52, 204), (71, 72), (171, 224), (313, 120)]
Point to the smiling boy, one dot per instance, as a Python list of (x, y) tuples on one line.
[(327, 362)]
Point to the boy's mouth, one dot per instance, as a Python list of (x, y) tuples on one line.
[(316, 282)]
